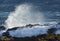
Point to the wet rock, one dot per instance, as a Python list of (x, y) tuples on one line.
[(2, 28), (59, 23), (14, 28), (29, 25), (51, 30), (6, 34)]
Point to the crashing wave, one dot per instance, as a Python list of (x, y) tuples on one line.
[(32, 31)]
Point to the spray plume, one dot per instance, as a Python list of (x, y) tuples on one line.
[(24, 14)]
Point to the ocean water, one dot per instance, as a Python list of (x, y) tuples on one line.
[(20, 12), (3, 17), (49, 8), (49, 18)]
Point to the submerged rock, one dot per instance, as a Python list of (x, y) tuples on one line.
[(51, 31)]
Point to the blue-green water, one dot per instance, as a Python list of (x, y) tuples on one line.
[(50, 8)]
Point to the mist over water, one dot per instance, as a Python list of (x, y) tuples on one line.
[(24, 14)]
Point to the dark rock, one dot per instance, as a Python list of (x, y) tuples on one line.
[(6, 34), (36, 24), (14, 28), (51, 30), (2, 28), (59, 23), (29, 25)]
